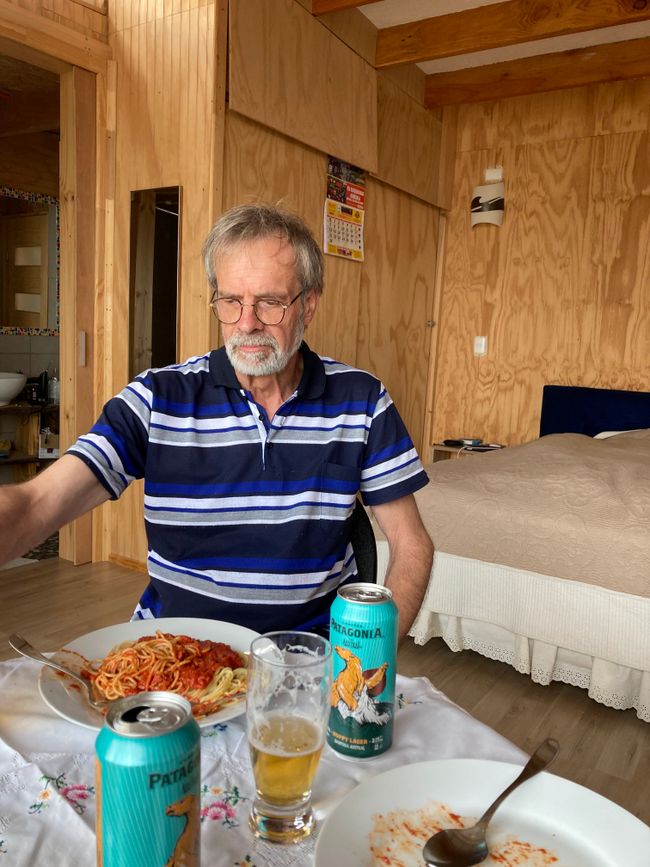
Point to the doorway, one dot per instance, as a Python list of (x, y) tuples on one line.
[(61, 120), (29, 271)]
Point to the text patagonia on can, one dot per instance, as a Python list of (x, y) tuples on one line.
[(355, 631), (166, 779)]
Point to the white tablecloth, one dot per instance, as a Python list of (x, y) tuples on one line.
[(47, 775)]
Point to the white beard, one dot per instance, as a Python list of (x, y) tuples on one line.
[(266, 363)]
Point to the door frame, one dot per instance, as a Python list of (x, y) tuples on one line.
[(81, 63)]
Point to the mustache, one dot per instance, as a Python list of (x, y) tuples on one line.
[(252, 340)]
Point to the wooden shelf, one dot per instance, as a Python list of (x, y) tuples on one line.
[(18, 409), (28, 408), (30, 418), (16, 457)]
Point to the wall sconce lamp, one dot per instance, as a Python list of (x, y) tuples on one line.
[(487, 200)]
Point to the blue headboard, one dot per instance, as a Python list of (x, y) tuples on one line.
[(575, 409)]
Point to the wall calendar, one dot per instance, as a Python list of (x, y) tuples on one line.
[(344, 210)]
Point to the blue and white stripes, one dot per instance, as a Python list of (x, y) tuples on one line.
[(248, 521)]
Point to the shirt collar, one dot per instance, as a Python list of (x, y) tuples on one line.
[(312, 382)]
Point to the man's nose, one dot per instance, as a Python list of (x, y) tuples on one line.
[(249, 321)]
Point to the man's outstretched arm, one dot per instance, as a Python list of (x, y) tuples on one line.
[(33, 510)]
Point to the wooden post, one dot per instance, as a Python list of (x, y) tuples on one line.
[(77, 201)]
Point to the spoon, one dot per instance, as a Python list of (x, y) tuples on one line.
[(462, 847), (22, 646)]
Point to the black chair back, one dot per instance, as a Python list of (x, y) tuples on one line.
[(364, 544)]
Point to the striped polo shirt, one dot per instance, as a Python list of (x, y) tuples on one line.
[(248, 518)]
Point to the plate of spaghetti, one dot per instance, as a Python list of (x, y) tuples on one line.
[(202, 660)]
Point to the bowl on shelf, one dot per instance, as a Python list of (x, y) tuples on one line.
[(11, 384)]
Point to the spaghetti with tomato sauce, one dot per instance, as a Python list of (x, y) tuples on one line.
[(210, 674)]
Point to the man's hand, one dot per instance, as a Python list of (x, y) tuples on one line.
[(410, 556), (31, 511)]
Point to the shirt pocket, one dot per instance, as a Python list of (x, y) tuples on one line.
[(339, 486)]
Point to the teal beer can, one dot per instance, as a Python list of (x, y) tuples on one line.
[(363, 634), (148, 783)]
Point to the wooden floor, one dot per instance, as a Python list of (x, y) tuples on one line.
[(51, 602)]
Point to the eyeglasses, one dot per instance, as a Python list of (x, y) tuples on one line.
[(269, 311)]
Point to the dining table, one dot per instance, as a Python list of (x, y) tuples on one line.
[(48, 790)]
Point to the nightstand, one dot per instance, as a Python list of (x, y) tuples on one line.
[(440, 452)]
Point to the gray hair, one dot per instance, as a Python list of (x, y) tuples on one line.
[(246, 223)]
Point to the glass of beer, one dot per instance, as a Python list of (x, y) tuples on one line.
[(287, 709)]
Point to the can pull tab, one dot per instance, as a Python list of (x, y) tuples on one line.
[(154, 714), (145, 714), (133, 713)]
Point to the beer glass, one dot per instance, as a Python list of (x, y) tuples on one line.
[(287, 709)]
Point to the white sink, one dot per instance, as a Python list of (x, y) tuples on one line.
[(11, 384)]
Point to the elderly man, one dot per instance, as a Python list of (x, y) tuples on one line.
[(252, 455)]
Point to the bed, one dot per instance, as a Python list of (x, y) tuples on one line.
[(543, 550)]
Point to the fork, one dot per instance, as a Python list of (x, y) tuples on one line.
[(22, 646)]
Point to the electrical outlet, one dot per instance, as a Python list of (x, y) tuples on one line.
[(480, 346)]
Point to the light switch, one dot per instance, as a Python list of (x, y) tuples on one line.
[(480, 346)]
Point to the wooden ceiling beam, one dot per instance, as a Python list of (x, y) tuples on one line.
[(498, 25), (599, 63), (322, 7)]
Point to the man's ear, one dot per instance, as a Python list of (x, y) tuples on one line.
[(311, 303)]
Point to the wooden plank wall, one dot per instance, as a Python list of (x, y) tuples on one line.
[(168, 105), (396, 305), (373, 314), (282, 156), (561, 289), (408, 138), (169, 127), (288, 73)]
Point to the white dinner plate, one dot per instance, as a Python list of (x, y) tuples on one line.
[(581, 828), (66, 699)]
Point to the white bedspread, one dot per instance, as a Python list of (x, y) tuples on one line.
[(543, 561), (565, 505)]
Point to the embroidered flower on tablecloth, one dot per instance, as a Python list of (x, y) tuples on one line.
[(402, 700), (3, 851), (74, 793), (223, 808), (247, 862), (216, 729)]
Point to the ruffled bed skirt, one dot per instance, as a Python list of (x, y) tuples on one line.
[(614, 685), (549, 628)]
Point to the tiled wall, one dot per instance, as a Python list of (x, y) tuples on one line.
[(30, 355)]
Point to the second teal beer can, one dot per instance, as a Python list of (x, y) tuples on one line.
[(148, 783), (363, 634)]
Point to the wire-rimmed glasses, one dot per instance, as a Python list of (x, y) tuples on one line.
[(269, 311)]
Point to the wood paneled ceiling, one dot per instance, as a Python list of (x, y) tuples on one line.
[(475, 50), (29, 98)]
